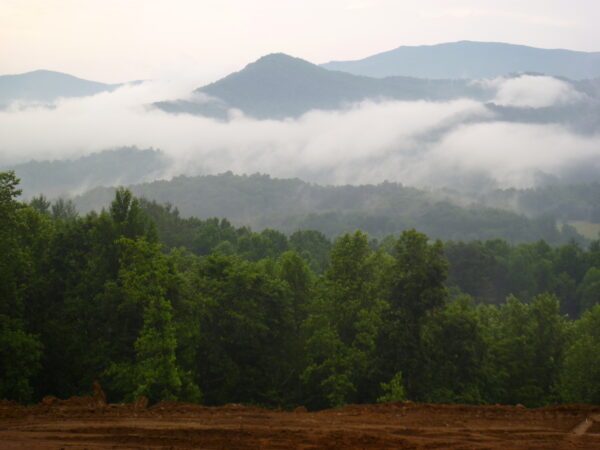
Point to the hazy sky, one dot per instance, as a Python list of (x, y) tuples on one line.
[(118, 40)]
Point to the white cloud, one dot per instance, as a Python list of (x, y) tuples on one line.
[(416, 143), (534, 92), (512, 154)]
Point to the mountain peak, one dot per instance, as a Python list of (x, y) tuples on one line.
[(276, 57), (472, 59), (47, 86), (280, 60)]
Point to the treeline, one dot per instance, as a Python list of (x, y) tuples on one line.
[(126, 165), (288, 205), (565, 202), (489, 271), (266, 319)]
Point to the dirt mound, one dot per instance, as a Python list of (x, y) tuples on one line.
[(80, 422), (178, 408)]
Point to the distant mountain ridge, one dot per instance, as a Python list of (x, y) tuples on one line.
[(45, 86), (126, 165), (292, 204), (470, 60), (279, 86)]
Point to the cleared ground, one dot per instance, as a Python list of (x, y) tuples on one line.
[(588, 230), (85, 423)]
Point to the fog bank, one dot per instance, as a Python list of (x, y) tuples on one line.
[(426, 144)]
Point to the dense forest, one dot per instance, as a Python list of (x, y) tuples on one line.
[(388, 208), (554, 210), (152, 304)]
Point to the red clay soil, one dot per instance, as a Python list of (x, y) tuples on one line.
[(87, 423)]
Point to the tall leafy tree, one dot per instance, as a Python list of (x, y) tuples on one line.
[(20, 351), (145, 277), (246, 319), (580, 377), (526, 344), (417, 288), (344, 324), (455, 353)]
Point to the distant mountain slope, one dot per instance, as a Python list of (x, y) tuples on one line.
[(291, 204), (45, 86), (279, 86), (108, 168), (466, 59)]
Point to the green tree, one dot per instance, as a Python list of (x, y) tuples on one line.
[(343, 326), (20, 351), (145, 277), (417, 288), (526, 345), (455, 353), (129, 218), (64, 209), (393, 391), (20, 355), (246, 322), (580, 377), (589, 289), (41, 204), (313, 246)]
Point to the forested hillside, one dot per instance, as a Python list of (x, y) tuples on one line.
[(66, 177), (291, 204), (154, 305), (565, 202)]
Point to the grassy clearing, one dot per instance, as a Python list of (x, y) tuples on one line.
[(589, 230)]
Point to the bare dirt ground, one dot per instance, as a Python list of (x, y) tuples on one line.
[(88, 423)]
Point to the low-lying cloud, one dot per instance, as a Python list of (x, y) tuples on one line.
[(427, 144), (530, 91)]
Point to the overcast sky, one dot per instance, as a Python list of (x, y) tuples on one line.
[(119, 40)]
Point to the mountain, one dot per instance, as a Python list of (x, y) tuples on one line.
[(292, 204), (108, 168), (279, 86), (44, 86), (467, 59)]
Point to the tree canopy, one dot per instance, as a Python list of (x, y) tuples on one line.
[(154, 305)]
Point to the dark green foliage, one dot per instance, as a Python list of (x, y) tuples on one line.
[(579, 381), (416, 289), (526, 345), (21, 230), (589, 289), (313, 246), (145, 276), (199, 310), (490, 271), (343, 325), (245, 323), (456, 354), (20, 354)]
